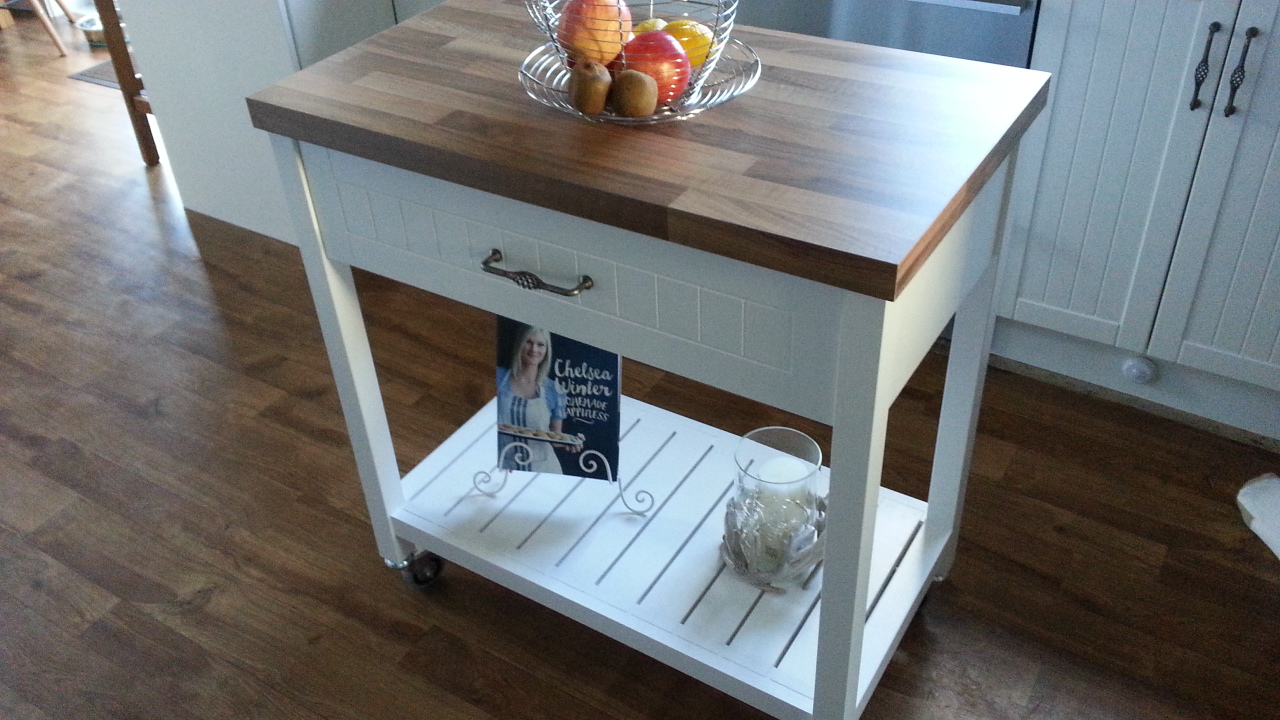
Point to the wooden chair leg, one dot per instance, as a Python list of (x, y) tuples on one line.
[(43, 16)]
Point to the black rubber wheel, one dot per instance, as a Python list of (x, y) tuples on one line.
[(423, 571)]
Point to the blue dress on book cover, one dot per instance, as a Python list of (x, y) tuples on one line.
[(558, 403)]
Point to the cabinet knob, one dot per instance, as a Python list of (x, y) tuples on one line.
[(1202, 70), (1139, 370), (1237, 75)]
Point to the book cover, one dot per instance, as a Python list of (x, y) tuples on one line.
[(558, 403)]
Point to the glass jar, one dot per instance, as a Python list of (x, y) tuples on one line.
[(774, 521)]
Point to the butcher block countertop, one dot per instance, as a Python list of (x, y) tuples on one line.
[(846, 164)]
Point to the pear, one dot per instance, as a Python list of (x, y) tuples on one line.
[(634, 94), (589, 83)]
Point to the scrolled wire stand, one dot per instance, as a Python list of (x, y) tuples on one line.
[(643, 497), (484, 481)]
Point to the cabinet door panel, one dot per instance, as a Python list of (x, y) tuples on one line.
[(1221, 309), (1089, 248)]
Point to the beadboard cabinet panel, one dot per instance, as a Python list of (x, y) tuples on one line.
[(1094, 222), (1145, 219), (1221, 305)]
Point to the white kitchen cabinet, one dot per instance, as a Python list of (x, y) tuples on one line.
[(1142, 225), (1221, 306)]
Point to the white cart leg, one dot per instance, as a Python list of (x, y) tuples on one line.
[(338, 307), (958, 422), (857, 453)]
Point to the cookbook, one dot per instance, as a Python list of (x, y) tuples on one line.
[(558, 403)]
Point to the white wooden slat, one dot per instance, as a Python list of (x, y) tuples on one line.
[(546, 528), (898, 522), (1046, 55), (1264, 326), (1226, 265), (688, 572), (1104, 254), (720, 611), (1245, 299), (1139, 192), (477, 430), (765, 634), (648, 554), (796, 669), (616, 526), (778, 615), (1066, 123), (1084, 180)]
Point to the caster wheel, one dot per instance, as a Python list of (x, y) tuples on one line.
[(422, 571)]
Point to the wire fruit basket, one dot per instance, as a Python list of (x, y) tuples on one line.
[(718, 67)]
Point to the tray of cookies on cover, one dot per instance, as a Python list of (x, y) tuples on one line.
[(525, 433)]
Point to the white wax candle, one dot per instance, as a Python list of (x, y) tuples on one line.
[(782, 498), (781, 478)]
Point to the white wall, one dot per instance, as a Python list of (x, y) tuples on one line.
[(199, 59)]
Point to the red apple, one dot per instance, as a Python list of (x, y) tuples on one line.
[(661, 57), (594, 29)]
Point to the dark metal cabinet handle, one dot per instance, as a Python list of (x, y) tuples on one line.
[(1202, 70), (1237, 75), (529, 281)]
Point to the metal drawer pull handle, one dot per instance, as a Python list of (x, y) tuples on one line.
[(1202, 70), (1237, 75), (529, 281)]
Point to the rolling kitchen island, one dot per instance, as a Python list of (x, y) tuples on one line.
[(803, 245)]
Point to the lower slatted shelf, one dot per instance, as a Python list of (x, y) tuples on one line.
[(654, 581)]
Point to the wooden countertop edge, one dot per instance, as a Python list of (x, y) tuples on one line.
[(876, 278), (824, 265), (915, 259)]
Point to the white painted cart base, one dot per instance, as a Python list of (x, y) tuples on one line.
[(655, 582)]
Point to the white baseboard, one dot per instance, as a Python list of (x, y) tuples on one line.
[(1229, 407)]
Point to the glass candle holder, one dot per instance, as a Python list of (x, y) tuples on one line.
[(774, 521)]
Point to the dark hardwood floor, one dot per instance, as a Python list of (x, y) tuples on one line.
[(182, 534)]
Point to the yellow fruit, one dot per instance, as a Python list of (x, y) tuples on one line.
[(695, 37), (653, 23)]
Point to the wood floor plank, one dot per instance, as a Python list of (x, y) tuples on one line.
[(27, 498), (45, 667), (47, 588), (183, 670), (13, 707)]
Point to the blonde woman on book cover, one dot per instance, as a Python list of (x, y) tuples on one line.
[(529, 399)]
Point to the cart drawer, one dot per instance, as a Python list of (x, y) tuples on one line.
[(752, 331)]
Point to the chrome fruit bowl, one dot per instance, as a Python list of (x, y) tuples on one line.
[(731, 67)]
